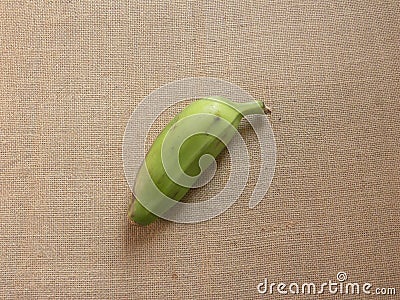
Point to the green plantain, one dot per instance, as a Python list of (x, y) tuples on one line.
[(204, 127)]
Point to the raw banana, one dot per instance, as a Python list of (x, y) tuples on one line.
[(171, 166)]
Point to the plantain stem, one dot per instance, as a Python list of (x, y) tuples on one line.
[(253, 107), (267, 110)]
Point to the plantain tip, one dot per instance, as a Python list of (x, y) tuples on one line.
[(130, 214), (134, 223)]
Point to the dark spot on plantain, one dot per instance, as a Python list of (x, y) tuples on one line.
[(173, 196)]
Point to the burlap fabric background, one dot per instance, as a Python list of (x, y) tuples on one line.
[(71, 73)]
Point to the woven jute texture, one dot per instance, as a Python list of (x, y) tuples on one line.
[(71, 74)]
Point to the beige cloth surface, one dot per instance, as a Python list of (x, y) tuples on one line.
[(72, 72)]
